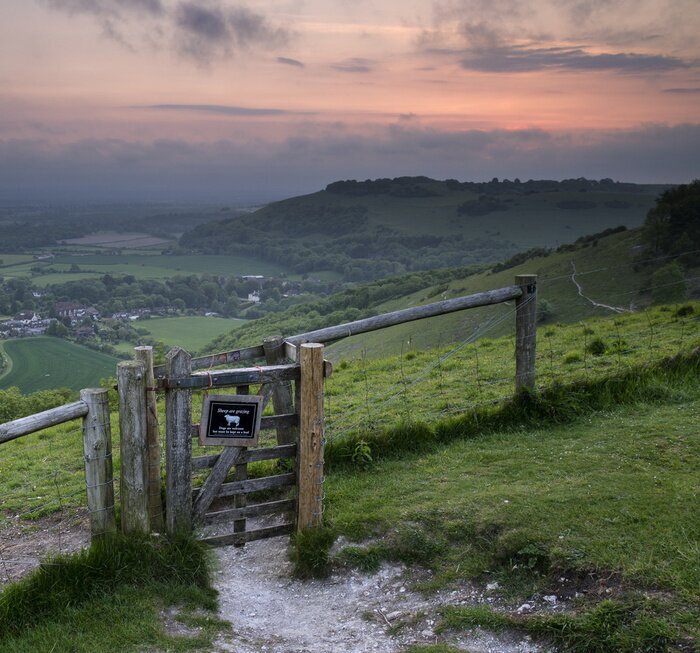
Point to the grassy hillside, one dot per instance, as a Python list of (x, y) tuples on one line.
[(607, 270), (45, 363), (370, 230), (432, 464)]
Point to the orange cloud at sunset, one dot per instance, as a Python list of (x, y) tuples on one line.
[(386, 80)]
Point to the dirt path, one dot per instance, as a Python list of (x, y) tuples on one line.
[(348, 613), (616, 309)]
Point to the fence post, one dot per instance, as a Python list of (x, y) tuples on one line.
[(525, 331), (155, 505), (97, 446), (178, 445), (133, 447), (282, 398), (311, 438)]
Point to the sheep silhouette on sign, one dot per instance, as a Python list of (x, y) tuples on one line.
[(232, 420)]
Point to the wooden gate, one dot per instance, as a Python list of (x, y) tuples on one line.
[(225, 498)]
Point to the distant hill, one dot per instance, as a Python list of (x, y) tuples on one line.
[(610, 269), (372, 229)]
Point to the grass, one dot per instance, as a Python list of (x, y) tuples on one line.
[(366, 394), (44, 363), (611, 495), (614, 490), (623, 626), (125, 584), (191, 333), (593, 480), (607, 275)]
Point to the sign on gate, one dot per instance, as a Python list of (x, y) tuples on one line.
[(230, 420)]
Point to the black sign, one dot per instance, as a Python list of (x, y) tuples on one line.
[(230, 420)]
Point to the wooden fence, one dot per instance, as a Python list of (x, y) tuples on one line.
[(292, 378), (93, 408)]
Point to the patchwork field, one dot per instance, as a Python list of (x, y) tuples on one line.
[(153, 265), (45, 363)]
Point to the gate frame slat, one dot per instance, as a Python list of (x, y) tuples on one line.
[(253, 510), (249, 536)]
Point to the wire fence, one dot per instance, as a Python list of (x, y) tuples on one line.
[(428, 380), (423, 371), (43, 506)]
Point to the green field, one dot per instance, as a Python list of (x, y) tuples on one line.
[(44, 363), (143, 266), (190, 333)]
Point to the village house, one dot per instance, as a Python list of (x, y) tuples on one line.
[(75, 311), (26, 318)]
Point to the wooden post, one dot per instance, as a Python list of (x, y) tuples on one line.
[(155, 504), (311, 438), (240, 474), (525, 331), (178, 445), (282, 398), (97, 446), (133, 447)]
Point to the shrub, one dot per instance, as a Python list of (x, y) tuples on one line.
[(572, 357), (597, 347)]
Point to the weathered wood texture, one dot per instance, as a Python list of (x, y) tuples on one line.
[(97, 447), (155, 505), (224, 358), (241, 474), (255, 510), (311, 438), (256, 484), (282, 394), (250, 536), (33, 423), (211, 486), (249, 456), (525, 331), (133, 446), (178, 453), (331, 334), (242, 376)]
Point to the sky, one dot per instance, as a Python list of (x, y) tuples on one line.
[(215, 100)]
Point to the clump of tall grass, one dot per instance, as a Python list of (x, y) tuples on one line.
[(67, 581), (623, 626)]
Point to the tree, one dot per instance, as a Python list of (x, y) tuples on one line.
[(673, 226), (668, 284)]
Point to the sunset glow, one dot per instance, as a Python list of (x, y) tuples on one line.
[(218, 99)]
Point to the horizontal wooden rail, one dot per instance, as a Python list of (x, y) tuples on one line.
[(223, 358), (39, 421), (250, 536), (249, 456), (254, 485), (256, 510), (333, 333), (241, 376)]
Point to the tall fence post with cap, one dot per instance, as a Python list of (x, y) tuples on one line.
[(133, 447), (178, 448), (97, 447), (525, 331), (311, 438)]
